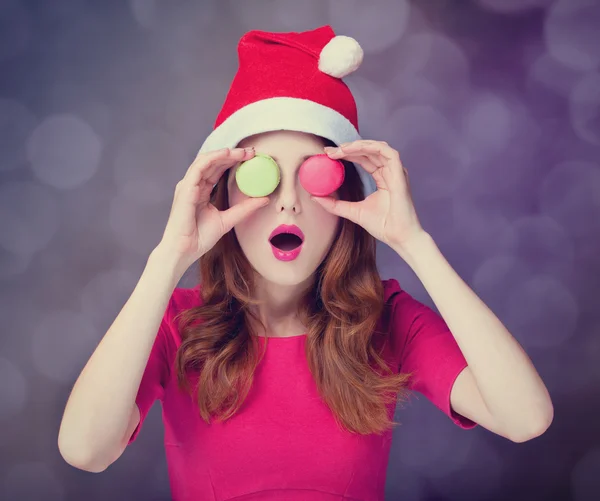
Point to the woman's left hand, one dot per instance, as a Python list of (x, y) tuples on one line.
[(389, 213)]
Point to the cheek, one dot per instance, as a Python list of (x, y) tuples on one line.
[(249, 230), (327, 223)]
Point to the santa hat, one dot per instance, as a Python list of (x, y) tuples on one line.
[(292, 81)]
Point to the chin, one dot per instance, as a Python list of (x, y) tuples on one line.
[(284, 273), (285, 279), (279, 272)]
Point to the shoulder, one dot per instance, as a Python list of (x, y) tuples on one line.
[(184, 298), (399, 302), (404, 317), (391, 287)]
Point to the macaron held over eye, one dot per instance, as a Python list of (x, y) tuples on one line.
[(258, 176), (319, 175)]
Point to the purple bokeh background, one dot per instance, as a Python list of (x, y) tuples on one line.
[(494, 106)]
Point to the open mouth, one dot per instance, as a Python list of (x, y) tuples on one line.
[(286, 241)]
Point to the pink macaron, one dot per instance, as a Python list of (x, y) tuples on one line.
[(321, 175)]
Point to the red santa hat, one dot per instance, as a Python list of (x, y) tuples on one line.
[(292, 81)]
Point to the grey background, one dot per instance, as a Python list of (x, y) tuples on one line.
[(494, 106)]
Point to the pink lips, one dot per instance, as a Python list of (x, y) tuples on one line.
[(291, 254), (287, 228)]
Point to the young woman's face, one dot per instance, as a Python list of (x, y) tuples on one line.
[(291, 205)]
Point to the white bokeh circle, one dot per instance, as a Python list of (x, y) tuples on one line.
[(64, 151)]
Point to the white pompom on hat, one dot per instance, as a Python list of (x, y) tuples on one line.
[(341, 56), (292, 81)]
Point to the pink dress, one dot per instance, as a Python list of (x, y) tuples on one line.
[(284, 444)]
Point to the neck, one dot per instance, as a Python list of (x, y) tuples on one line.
[(279, 306)]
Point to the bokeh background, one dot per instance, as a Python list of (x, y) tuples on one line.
[(494, 106)]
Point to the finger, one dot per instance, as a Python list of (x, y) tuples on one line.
[(240, 211), (341, 208), (381, 153), (369, 164), (208, 174), (210, 166), (379, 166), (378, 147), (205, 159)]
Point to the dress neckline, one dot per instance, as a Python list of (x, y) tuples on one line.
[(297, 336)]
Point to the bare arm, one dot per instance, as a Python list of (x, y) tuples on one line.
[(101, 413)]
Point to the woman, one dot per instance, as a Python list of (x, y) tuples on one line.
[(280, 372)]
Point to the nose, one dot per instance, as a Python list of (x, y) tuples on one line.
[(287, 197)]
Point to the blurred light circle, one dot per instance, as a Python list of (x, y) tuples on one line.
[(570, 193), (542, 312), (145, 12), (584, 108), (513, 6), (496, 275), (545, 245), (373, 102), (488, 123), (431, 148), (437, 61), (415, 89), (279, 15), (552, 74), (486, 231), (380, 24), (296, 16), (417, 51), (64, 151), (572, 35)]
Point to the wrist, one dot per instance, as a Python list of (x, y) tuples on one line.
[(411, 249), (168, 261)]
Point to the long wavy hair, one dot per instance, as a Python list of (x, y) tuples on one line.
[(340, 309)]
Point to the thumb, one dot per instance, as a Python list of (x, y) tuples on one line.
[(239, 212), (341, 208)]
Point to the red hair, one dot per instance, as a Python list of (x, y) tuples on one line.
[(341, 310)]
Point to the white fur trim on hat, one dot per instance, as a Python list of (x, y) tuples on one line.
[(287, 113), (341, 56)]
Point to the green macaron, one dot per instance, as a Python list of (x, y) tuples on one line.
[(257, 177)]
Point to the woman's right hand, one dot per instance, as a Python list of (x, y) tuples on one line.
[(195, 225)]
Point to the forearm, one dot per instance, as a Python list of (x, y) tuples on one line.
[(99, 407), (507, 380)]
